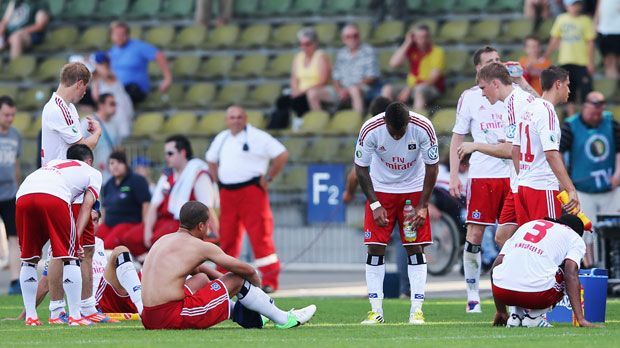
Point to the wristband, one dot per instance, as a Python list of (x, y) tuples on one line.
[(375, 205)]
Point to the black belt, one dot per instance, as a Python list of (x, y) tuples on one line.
[(253, 181)]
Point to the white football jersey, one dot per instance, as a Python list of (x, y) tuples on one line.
[(534, 253), (515, 103), (486, 123), (397, 166), (65, 179), (538, 131), (60, 128)]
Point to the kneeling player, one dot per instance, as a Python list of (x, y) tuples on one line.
[(171, 301), (533, 269)]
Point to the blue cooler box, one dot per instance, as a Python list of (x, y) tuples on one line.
[(594, 284)]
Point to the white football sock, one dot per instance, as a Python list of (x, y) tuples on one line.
[(471, 266), (417, 271), (29, 281), (375, 273), (72, 284), (257, 300), (128, 277), (88, 306), (57, 308)]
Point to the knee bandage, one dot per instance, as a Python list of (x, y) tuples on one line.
[(375, 260), (122, 258), (472, 248), (416, 259)]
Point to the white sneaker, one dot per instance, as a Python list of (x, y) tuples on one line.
[(514, 320), (416, 318), (539, 321), (304, 315), (473, 307), (373, 319)]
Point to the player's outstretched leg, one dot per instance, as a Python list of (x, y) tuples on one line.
[(375, 273), (29, 281), (121, 273), (417, 271)]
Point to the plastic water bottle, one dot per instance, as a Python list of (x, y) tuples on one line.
[(408, 213)]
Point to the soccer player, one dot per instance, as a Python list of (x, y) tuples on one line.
[(396, 160), (536, 153), (535, 267), (496, 85), (43, 212), (171, 301)]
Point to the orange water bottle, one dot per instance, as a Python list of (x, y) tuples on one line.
[(587, 224)]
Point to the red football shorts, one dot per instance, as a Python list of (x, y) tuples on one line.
[(394, 204), (88, 236), (109, 301), (485, 199), (532, 204), (532, 300), (508, 216), (205, 308), (40, 217)]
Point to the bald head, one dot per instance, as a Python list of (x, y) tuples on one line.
[(236, 119)]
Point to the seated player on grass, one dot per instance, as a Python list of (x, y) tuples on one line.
[(534, 269), (171, 301)]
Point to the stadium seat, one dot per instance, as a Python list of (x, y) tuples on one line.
[(438, 6), (49, 69), (199, 95), (32, 132), (323, 150), (452, 95), (79, 9), (231, 93), (20, 68), (30, 154), (443, 120), (345, 122), (305, 7), (274, 8), (285, 35), (211, 123), (453, 31), (157, 100), (415, 5), (516, 30), (22, 121), (280, 65), (315, 122), (466, 6), (10, 90), (388, 32), (160, 36), (296, 178), (456, 61), (429, 22), (296, 147), (256, 118), (327, 32), (181, 122), (384, 65), (56, 7), (505, 6), (144, 9), (244, 9), (190, 37), (364, 26), (339, 7), (263, 95), (615, 110), (135, 31), (248, 66), (110, 9), (224, 36), (606, 86), (58, 39), (543, 31), (93, 38), (177, 8), (34, 97), (148, 123), (216, 66), (154, 70), (484, 31), (347, 151), (255, 35), (185, 66)]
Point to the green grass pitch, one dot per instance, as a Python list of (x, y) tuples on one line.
[(336, 324)]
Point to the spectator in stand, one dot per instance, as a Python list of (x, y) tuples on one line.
[(125, 200), (142, 166), (10, 151), (130, 59), (608, 28), (109, 141), (425, 81), (23, 25), (573, 33), (204, 12), (533, 62), (104, 81), (356, 73), (536, 9), (591, 142)]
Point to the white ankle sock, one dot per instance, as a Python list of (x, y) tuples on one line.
[(29, 281), (375, 273), (417, 271), (72, 284), (257, 300), (88, 306), (471, 267), (128, 277), (56, 308)]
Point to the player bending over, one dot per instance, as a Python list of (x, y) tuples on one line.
[(533, 270), (171, 301)]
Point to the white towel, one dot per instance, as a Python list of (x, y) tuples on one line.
[(182, 189)]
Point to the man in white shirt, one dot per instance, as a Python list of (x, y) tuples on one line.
[(535, 152), (534, 269), (396, 161), (43, 212), (239, 157)]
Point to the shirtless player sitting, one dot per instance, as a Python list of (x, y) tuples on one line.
[(171, 301)]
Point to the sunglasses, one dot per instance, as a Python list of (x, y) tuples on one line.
[(352, 36), (597, 103)]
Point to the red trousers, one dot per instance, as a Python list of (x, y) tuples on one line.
[(248, 207), (131, 235)]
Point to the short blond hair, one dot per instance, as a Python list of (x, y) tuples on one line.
[(71, 73)]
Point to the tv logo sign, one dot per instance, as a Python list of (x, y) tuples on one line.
[(325, 188)]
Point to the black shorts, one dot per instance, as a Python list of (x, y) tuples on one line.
[(608, 44), (7, 212), (580, 82)]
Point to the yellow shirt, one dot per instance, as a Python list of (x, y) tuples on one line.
[(308, 76), (421, 64), (574, 34)]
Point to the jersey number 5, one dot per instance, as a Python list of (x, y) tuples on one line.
[(541, 227), (529, 156)]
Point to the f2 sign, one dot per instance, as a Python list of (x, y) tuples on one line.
[(325, 188)]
